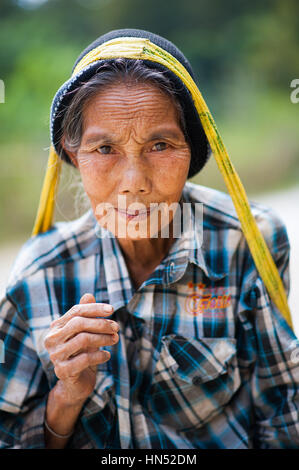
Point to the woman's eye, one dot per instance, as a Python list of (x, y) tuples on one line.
[(104, 149), (160, 146)]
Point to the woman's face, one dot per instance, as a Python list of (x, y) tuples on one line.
[(132, 150)]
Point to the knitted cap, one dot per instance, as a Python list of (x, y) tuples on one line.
[(200, 148)]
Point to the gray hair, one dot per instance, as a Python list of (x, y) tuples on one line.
[(114, 71)]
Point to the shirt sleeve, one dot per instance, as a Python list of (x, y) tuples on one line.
[(23, 384), (275, 376)]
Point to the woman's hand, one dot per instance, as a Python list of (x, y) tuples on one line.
[(73, 344)]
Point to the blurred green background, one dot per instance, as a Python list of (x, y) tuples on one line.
[(244, 54)]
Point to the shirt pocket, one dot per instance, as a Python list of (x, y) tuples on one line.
[(193, 380)]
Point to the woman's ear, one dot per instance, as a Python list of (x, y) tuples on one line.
[(72, 155)]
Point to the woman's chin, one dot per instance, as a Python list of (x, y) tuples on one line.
[(132, 231)]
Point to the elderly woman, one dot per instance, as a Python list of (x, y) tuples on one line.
[(118, 337)]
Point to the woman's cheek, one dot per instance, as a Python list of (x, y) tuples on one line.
[(93, 161), (95, 166), (172, 167), (96, 177)]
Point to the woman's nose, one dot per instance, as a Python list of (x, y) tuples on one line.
[(135, 178)]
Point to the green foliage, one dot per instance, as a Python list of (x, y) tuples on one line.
[(244, 55)]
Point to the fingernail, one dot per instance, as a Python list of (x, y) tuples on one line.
[(106, 354), (114, 337), (114, 326), (108, 308)]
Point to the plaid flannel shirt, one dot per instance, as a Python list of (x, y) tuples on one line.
[(204, 359)]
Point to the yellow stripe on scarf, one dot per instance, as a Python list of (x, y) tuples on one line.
[(144, 49), (44, 217)]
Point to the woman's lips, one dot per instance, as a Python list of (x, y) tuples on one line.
[(138, 214)]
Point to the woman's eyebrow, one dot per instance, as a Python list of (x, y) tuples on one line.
[(161, 134), (93, 138)]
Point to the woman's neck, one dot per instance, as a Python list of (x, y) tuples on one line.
[(147, 252)]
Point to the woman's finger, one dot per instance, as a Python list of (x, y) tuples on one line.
[(87, 299), (73, 367), (76, 325), (83, 310), (80, 343)]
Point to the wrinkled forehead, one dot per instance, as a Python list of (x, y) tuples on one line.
[(137, 103)]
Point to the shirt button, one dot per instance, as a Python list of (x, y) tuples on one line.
[(196, 380), (171, 271)]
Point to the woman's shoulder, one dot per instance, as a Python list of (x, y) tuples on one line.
[(64, 242)]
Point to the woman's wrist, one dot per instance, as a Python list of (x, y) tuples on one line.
[(62, 397), (60, 417)]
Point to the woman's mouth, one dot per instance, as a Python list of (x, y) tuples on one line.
[(136, 215)]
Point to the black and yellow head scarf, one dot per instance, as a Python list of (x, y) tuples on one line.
[(159, 53)]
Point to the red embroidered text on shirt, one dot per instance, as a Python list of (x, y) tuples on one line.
[(202, 301)]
